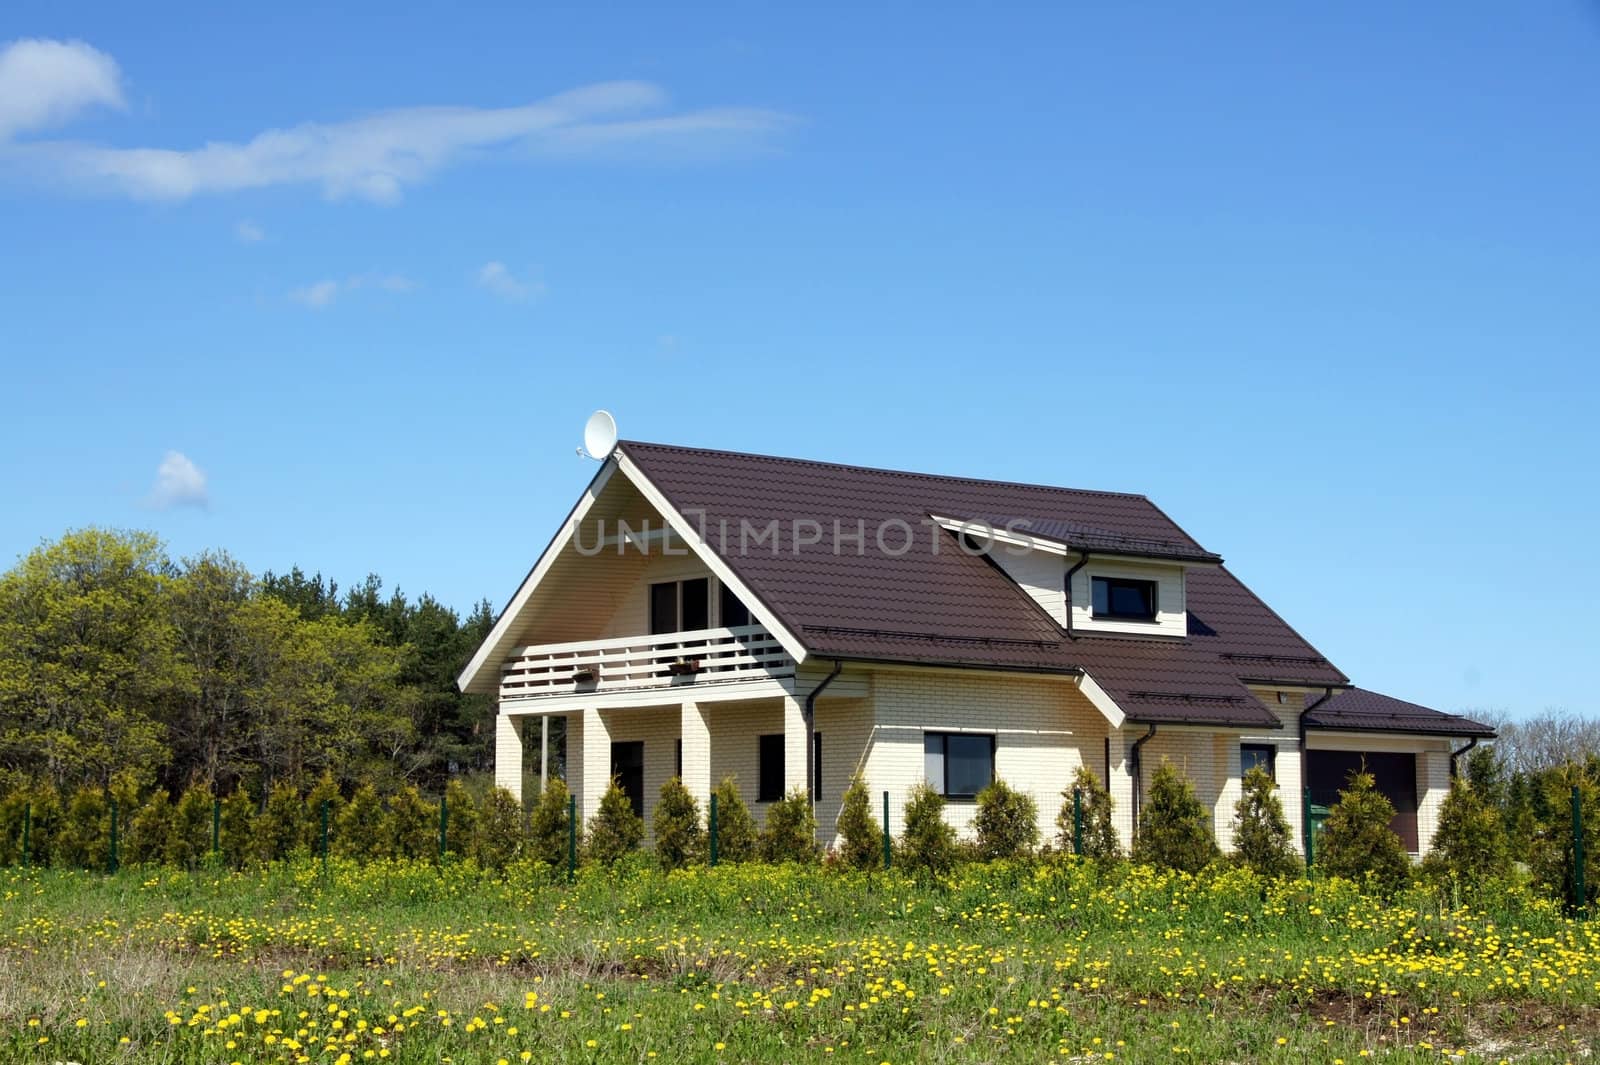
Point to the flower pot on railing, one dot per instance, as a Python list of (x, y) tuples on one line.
[(586, 675), (683, 667)]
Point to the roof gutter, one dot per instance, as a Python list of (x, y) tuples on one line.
[(1327, 693), (811, 730), (1066, 589), (1135, 765), (1473, 742)]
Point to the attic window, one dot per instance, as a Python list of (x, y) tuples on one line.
[(1124, 599)]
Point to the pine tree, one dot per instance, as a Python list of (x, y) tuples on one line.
[(1260, 830), (1174, 828), (862, 835), (499, 830), (680, 838), (85, 838), (1469, 845), (736, 829), (1356, 841), (549, 824), (189, 842), (1007, 821), (461, 819), (615, 830), (325, 791), (791, 831), (150, 831), (280, 827), (234, 834), (413, 825), (1099, 832), (360, 829), (928, 845)]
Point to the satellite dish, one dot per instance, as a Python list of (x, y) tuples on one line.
[(599, 436)]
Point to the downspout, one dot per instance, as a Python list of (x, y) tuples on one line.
[(1327, 693), (1138, 775), (811, 730), (1473, 742), (1305, 777), (1066, 589)]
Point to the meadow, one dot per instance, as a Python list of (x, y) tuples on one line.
[(1054, 959)]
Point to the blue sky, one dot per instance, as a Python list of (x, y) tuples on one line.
[(1319, 280)]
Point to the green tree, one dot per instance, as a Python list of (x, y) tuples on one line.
[(150, 831), (413, 825), (1469, 845), (461, 821), (323, 795), (1174, 828), (1007, 821), (360, 832), (615, 829), (499, 830), (281, 827), (189, 841), (737, 838), (680, 838), (1356, 841), (928, 845), (549, 825), (863, 836), (84, 841), (236, 829), (1260, 831), (791, 831), (1099, 832)]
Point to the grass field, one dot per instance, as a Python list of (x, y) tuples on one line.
[(1051, 961)]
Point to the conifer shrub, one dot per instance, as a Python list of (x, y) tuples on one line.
[(549, 824), (680, 838), (1261, 838), (149, 831), (413, 825), (1174, 827), (1007, 821), (44, 811), (791, 831), (234, 834), (1469, 846), (189, 843), (360, 829), (499, 830), (461, 821), (326, 790), (615, 830), (736, 829), (84, 841), (280, 827), (1356, 842), (927, 847), (1099, 833), (862, 834), (12, 805)]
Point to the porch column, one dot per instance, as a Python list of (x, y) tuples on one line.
[(695, 732), (508, 754), (595, 772), (1225, 752), (794, 745)]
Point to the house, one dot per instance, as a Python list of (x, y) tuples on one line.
[(707, 613)]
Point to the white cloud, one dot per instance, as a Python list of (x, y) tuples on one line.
[(249, 233), (320, 294), (497, 279), (179, 483), (45, 83), (375, 157)]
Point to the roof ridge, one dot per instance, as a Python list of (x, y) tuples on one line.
[(885, 469)]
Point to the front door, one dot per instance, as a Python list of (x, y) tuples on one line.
[(1395, 775), (627, 766)]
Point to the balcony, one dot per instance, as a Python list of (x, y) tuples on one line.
[(631, 663)]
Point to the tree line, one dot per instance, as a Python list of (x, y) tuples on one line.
[(122, 667)]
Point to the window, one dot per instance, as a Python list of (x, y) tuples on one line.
[(1264, 755), (680, 606), (730, 612), (677, 761), (1123, 598), (816, 764), (958, 764), (769, 781), (627, 766)]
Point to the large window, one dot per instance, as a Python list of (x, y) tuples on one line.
[(1124, 599), (680, 606), (731, 612), (958, 765), (1264, 755), (769, 780)]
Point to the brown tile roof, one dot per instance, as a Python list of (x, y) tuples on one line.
[(1360, 710), (951, 608)]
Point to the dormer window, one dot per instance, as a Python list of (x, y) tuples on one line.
[(1124, 599)]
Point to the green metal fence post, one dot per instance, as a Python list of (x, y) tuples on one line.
[(888, 849), (324, 837), (27, 828), (1077, 821), (572, 838), (444, 825), (111, 862), (1579, 890), (713, 831), (1305, 819), (216, 826)]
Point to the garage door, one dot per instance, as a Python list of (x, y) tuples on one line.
[(1395, 774)]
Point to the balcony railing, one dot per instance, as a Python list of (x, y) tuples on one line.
[(701, 656)]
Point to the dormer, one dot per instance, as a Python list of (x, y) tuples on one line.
[(1118, 584)]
